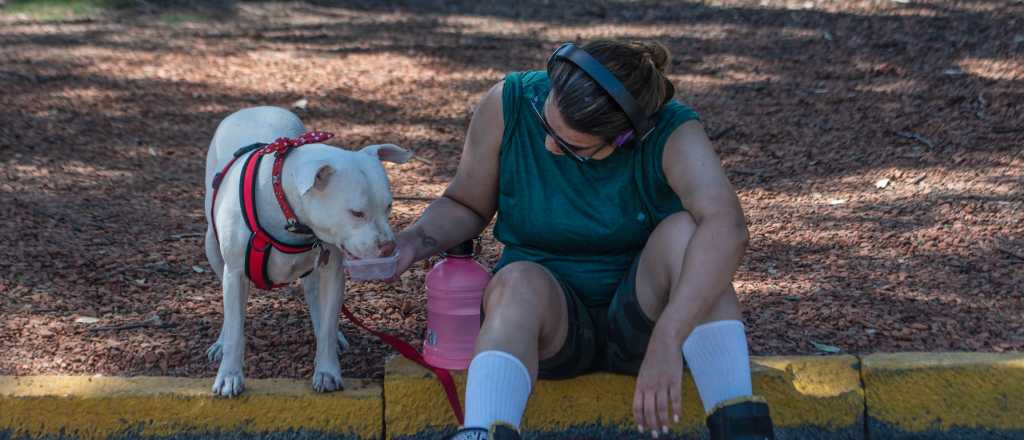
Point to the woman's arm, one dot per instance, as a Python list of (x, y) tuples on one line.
[(695, 173), (470, 201)]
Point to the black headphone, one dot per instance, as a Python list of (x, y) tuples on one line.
[(637, 118)]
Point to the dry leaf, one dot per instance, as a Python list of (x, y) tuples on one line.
[(825, 348)]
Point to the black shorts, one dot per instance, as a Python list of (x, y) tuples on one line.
[(610, 338)]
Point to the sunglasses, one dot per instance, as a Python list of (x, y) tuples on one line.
[(571, 150)]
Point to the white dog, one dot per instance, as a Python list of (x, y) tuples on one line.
[(344, 197)]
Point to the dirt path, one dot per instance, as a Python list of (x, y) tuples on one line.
[(876, 147)]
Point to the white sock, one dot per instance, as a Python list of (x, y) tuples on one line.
[(719, 361), (497, 387)]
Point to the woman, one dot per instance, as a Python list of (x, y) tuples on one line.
[(621, 234)]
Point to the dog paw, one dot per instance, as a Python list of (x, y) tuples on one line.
[(342, 342), (325, 382), (215, 352), (229, 383)]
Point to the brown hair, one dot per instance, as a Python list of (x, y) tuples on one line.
[(584, 104)]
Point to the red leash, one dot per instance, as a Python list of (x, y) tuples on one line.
[(410, 353)]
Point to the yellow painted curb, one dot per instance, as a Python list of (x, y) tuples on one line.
[(918, 392), (92, 408), (809, 391), (907, 395), (415, 399)]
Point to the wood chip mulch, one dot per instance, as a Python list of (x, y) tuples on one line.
[(876, 147)]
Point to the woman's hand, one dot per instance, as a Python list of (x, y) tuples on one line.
[(659, 385), (405, 245)]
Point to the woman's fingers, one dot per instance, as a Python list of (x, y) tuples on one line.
[(404, 263), (663, 409), (656, 408), (650, 412), (675, 394)]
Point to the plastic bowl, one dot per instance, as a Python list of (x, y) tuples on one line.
[(367, 269)]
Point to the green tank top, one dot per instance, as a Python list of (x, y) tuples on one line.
[(585, 222)]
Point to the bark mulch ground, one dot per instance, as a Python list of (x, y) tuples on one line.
[(876, 147)]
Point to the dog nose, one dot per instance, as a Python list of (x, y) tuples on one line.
[(387, 249)]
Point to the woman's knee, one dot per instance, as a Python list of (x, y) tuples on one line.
[(528, 283), (663, 255), (674, 232), (526, 298), (678, 229)]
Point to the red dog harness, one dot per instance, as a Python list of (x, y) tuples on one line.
[(257, 253)]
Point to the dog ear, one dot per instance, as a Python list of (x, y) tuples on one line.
[(315, 175), (388, 153)]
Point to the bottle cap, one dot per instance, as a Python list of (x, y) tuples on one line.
[(464, 249)]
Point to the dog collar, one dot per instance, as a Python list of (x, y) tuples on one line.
[(280, 149)]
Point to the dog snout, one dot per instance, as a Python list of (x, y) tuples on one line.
[(387, 248)]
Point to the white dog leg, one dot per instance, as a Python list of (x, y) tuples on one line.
[(327, 370), (310, 285), (213, 255), (230, 380), (216, 261)]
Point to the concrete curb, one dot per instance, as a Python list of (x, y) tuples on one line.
[(950, 395), (811, 398), (92, 408), (881, 396)]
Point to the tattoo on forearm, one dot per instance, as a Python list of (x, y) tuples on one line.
[(426, 240)]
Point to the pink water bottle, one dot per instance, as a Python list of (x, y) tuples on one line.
[(455, 288)]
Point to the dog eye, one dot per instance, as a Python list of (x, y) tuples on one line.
[(358, 214)]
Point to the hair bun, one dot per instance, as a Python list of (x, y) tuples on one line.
[(657, 53)]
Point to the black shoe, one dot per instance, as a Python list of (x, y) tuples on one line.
[(498, 431), (744, 418)]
